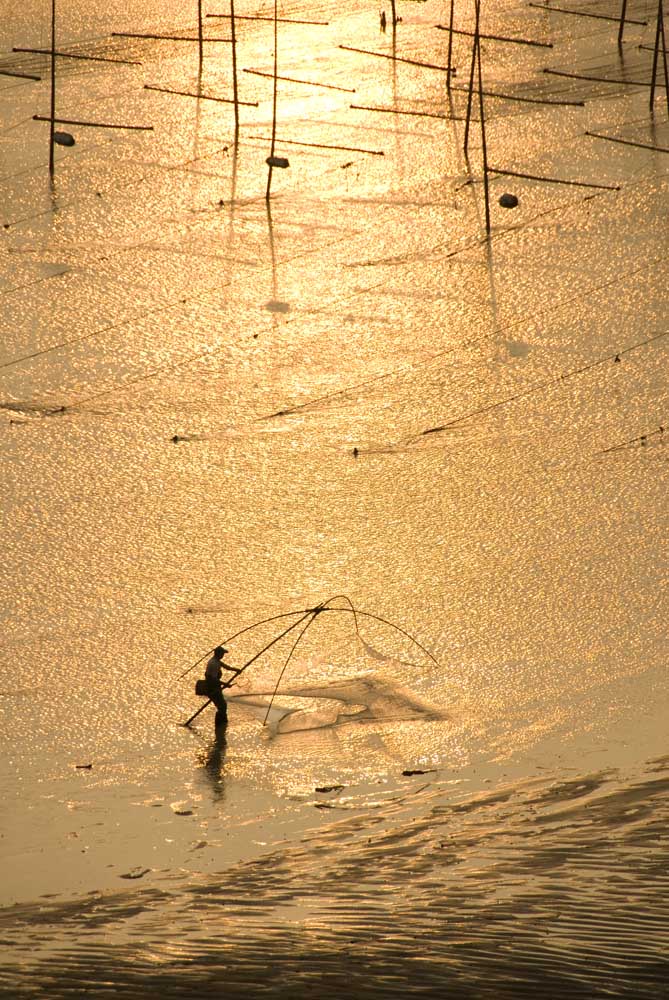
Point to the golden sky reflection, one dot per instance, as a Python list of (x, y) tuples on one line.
[(151, 295)]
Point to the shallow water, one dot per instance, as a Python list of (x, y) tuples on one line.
[(506, 506)]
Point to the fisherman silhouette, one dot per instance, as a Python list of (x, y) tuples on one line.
[(212, 676)]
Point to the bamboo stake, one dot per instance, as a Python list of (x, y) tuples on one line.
[(76, 55), (323, 145), (641, 439), (235, 91), (622, 24), (582, 13), (660, 17), (387, 55), (200, 97), (274, 90), (73, 121), (164, 38), (449, 59), (628, 142), (482, 119), (533, 389), (199, 33), (470, 88), (664, 52), (53, 88), (554, 180), (397, 111), (20, 76), (526, 100), (384, 621), (497, 38), (281, 20), (597, 79), (294, 79)]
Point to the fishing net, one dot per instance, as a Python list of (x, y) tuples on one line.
[(355, 700)]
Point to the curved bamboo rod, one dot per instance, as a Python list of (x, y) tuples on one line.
[(306, 613), (288, 659)]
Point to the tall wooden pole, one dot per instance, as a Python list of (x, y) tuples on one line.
[(450, 47), (199, 33), (53, 87), (659, 31), (622, 23), (235, 92), (273, 143), (664, 56), (482, 117), (472, 69)]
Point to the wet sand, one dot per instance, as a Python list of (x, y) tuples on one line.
[(515, 892)]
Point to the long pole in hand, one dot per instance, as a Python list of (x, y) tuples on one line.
[(254, 658)]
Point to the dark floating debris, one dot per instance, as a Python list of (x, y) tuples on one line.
[(410, 773), (136, 873), (63, 139), (508, 200), (277, 161), (329, 788), (83, 767), (183, 812)]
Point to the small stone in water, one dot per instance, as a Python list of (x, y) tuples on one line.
[(508, 200)]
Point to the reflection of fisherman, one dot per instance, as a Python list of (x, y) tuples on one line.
[(212, 676)]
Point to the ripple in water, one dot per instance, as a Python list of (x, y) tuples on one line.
[(544, 888)]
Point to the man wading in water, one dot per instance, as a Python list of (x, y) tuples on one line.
[(212, 676)]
